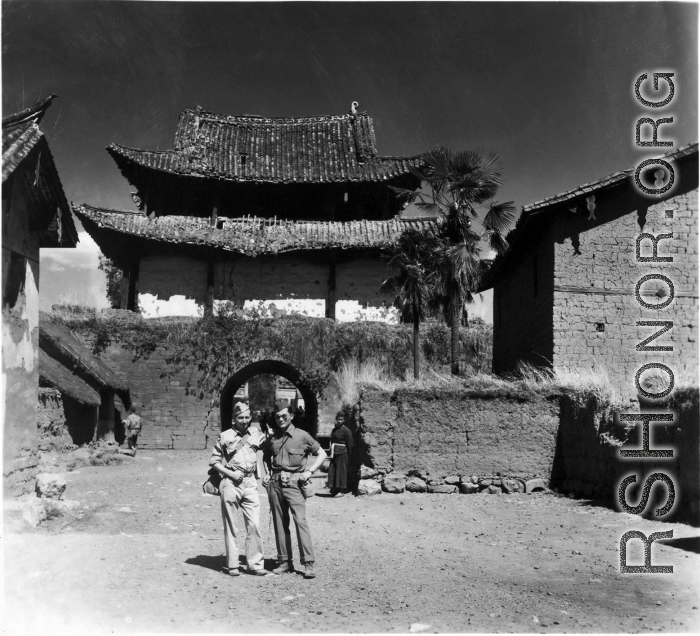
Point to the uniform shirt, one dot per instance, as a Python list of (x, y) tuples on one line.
[(246, 458), (133, 424), (288, 449), (342, 435)]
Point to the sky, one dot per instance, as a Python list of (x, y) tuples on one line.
[(547, 86)]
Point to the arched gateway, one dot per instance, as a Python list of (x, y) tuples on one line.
[(272, 367)]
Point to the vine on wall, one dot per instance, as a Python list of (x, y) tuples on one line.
[(218, 346)]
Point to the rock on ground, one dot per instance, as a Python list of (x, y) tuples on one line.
[(368, 487), (367, 473), (415, 484), (394, 484), (442, 489), (50, 485), (531, 485)]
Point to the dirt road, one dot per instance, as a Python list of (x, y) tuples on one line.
[(145, 555)]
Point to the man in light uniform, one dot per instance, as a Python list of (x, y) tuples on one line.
[(235, 457)]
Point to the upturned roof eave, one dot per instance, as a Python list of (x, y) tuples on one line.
[(249, 237), (542, 208), (128, 165)]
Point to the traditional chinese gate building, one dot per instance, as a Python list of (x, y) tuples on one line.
[(247, 207)]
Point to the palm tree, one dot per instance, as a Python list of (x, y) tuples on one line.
[(409, 286), (460, 183)]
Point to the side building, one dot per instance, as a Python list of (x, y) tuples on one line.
[(255, 208), (564, 295), (35, 214)]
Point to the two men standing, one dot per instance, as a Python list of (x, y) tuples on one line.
[(235, 458)]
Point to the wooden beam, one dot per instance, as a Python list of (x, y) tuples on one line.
[(330, 294), (132, 299), (209, 299)]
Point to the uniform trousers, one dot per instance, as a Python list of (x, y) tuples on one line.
[(244, 497), (282, 499)]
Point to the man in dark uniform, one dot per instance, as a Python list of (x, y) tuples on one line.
[(341, 450), (285, 453)]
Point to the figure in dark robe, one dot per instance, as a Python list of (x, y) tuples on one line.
[(341, 450)]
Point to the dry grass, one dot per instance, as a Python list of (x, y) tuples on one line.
[(594, 381), (527, 381)]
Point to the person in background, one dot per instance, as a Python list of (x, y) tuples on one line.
[(285, 452), (235, 457), (341, 450), (132, 428)]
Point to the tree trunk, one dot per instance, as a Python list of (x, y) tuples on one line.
[(416, 346), (454, 331)]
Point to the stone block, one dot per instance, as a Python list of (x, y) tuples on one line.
[(442, 489), (415, 484), (50, 485), (453, 479), (367, 473), (533, 485), (509, 486), (368, 487), (394, 484), (468, 488)]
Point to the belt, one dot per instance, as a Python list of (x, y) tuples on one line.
[(246, 473)]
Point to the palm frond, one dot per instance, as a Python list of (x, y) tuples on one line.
[(500, 217)]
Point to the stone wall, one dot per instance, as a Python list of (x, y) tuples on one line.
[(447, 432), (595, 310), (176, 285), (20, 342)]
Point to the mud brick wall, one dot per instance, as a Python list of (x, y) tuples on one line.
[(522, 308), (51, 421), (177, 285), (450, 432), (596, 321), (588, 462), (20, 342)]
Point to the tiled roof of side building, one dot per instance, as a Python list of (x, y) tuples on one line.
[(55, 375), (248, 148), (20, 135), (551, 204), (57, 340), (251, 236), (605, 182)]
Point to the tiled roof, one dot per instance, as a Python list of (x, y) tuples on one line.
[(57, 340), (17, 143), (605, 182), (246, 148), (251, 236), (53, 374), (20, 135), (549, 205)]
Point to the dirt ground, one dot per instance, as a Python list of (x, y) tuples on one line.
[(144, 554)]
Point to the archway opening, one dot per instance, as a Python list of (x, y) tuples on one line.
[(274, 368)]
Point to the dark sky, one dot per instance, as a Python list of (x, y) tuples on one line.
[(548, 86)]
